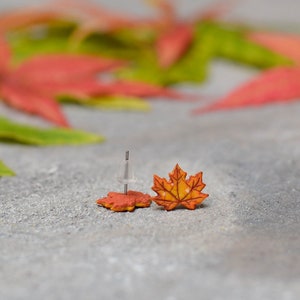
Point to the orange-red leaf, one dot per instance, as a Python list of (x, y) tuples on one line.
[(172, 44), (125, 202), (275, 85), (30, 101), (179, 190), (33, 86), (283, 43)]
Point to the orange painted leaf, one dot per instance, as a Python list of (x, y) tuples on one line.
[(125, 202), (179, 190), (275, 85), (172, 45), (285, 44)]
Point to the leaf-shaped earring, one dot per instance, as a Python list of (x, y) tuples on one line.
[(179, 190), (128, 200)]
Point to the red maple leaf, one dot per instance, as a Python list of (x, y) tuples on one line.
[(179, 190), (33, 85), (275, 85)]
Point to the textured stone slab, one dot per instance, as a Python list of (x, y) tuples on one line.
[(56, 243)]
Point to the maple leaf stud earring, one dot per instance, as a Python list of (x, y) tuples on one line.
[(128, 200), (179, 191)]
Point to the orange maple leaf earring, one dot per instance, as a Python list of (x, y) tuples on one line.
[(179, 190), (128, 200)]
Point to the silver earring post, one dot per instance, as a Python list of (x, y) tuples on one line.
[(126, 172)]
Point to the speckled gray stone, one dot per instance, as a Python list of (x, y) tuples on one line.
[(243, 243)]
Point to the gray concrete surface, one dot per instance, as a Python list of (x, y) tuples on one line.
[(55, 243)]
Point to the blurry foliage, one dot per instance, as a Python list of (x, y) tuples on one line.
[(75, 27)]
